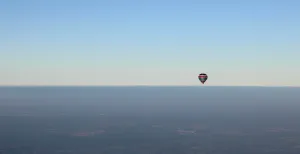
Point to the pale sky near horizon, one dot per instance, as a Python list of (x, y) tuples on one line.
[(149, 42)]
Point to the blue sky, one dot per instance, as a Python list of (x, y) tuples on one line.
[(157, 42)]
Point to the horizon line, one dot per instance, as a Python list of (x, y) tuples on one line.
[(287, 86)]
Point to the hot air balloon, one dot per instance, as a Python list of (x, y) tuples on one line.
[(202, 77)]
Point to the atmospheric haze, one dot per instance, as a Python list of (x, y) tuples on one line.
[(143, 120)]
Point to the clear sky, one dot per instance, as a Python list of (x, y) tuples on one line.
[(149, 42)]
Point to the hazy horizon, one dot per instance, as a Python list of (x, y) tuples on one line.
[(269, 86), (121, 77), (154, 101)]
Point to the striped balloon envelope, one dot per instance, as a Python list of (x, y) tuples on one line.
[(202, 77)]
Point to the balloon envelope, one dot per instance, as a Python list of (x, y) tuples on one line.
[(202, 77)]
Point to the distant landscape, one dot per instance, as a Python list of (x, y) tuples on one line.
[(149, 120)]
